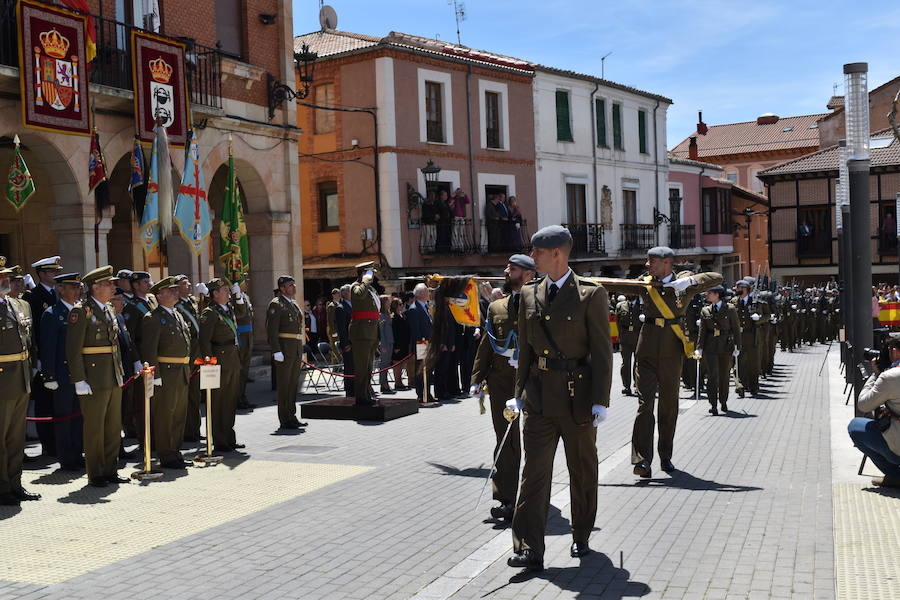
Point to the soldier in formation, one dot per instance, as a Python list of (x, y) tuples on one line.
[(628, 319), (719, 340), (284, 332)]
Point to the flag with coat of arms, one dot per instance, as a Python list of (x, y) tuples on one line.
[(150, 216), (19, 184), (234, 248), (191, 208)]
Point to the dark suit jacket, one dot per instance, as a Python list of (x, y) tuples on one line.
[(40, 300), (342, 315), (52, 345), (127, 349), (419, 324)]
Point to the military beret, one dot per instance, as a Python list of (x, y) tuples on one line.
[(750, 279), (164, 284), (50, 263), (218, 282), (123, 274), (717, 289), (660, 252), (70, 278), (522, 261), (285, 279), (98, 275), (552, 236), (180, 278), (119, 292), (742, 284), (138, 275)]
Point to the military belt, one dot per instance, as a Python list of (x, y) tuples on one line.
[(7, 358), (173, 360), (291, 336), (97, 350), (559, 364), (364, 315), (660, 322)]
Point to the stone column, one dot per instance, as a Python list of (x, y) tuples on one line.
[(74, 228), (271, 255)]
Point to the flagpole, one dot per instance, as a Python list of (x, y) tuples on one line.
[(97, 215)]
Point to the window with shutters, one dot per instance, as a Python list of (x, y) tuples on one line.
[(629, 207), (329, 206), (563, 117), (228, 27), (600, 107), (492, 119), (716, 208), (324, 96), (434, 112), (642, 131), (617, 127)]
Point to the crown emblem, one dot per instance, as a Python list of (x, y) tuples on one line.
[(160, 70), (55, 44)]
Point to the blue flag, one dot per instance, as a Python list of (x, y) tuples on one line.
[(150, 216), (191, 208), (137, 186)]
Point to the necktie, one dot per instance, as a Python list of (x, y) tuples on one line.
[(551, 293), (715, 308), (515, 304)]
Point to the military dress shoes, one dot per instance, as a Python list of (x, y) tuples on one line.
[(642, 469), (9, 499), (666, 465), (503, 512), (239, 446), (724, 408), (713, 411), (579, 549), (886, 482), (116, 479), (289, 426), (174, 464), (99, 482), (222, 449), (22, 494), (526, 559)]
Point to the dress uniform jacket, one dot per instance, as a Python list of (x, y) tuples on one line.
[(627, 312), (565, 367), (133, 312), (92, 349), (55, 367), (40, 299), (284, 332), (219, 338), (166, 345), (245, 342), (748, 361), (363, 338), (15, 381), (331, 320), (189, 310), (720, 334), (496, 369)]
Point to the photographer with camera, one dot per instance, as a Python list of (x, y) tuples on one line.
[(879, 438)]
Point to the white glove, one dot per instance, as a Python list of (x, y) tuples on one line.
[(51, 385), (814, 310), (514, 363), (837, 310), (201, 289), (475, 389), (82, 388), (138, 366), (773, 320), (736, 352), (698, 322), (803, 311), (680, 285), (514, 404), (642, 318), (29, 281), (698, 353), (278, 356), (755, 317), (157, 381), (794, 306), (599, 413), (235, 288)]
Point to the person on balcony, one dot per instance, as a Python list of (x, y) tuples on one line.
[(457, 203), (495, 215), (444, 223), (514, 227), (429, 223)]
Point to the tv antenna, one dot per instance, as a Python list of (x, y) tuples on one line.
[(459, 10), (603, 65)]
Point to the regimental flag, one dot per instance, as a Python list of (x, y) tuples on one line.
[(137, 186), (465, 309), (150, 216), (165, 197), (191, 208), (234, 249), (19, 184), (97, 178), (91, 42)]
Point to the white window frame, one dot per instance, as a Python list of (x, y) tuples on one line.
[(444, 79), (502, 89), (444, 175), (484, 179)]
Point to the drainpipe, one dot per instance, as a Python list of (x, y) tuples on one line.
[(594, 150), (656, 163), (476, 212)]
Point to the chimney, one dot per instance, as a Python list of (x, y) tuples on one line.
[(766, 119), (692, 149), (701, 126)]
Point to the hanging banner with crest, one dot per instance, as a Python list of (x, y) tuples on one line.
[(52, 73), (160, 89)]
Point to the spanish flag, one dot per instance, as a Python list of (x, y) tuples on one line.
[(82, 7), (465, 309)]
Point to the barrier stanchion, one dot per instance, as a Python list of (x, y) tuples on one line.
[(147, 474), (210, 379)]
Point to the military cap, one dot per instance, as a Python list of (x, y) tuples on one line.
[(164, 284), (180, 278), (123, 274), (741, 283), (522, 261), (660, 252), (4, 270), (552, 236), (285, 279), (717, 289), (98, 275), (119, 291), (218, 282), (16, 272), (138, 275), (70, 278), (750, 279), (50, 263), (621, 298), (365, 266), (335, 291)]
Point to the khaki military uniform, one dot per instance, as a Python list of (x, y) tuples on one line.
[(660, 354), (629, 326), (748, 361), (166, 345), (92, 349), (189, 310), (558, 386), (363, 338), (764, 329), (495, 368), (720, 334), (284, 332), (219, 339), (15, 381)]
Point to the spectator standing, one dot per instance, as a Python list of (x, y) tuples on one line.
[(514, 227), (321, 315), (385, 343), (494, 215), (444, 223), (430, 219), (343, 315), (458, 204), (400, 327), (420, 323)]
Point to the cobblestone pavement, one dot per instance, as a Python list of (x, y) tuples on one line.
[(748, 514)]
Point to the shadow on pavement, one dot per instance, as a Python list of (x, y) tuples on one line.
[(59, 477), (685, 481), (90, 495), (733, 414), (888, 492), (477, 472), (595, 577)]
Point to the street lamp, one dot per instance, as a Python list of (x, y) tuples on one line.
[(278, 92), (430, 172)]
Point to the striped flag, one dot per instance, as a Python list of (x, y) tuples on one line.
[(150, 216), (191, 208)]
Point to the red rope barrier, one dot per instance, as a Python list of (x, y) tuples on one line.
[(388, 368)]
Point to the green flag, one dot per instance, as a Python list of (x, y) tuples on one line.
[(234, 251), (19, 184)]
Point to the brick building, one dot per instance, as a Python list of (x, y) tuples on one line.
[(231, 46)]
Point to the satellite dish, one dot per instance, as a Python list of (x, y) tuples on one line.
[(327, 18)]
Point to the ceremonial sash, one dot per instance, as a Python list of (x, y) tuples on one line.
[(188, 315), (140, 306), (509, 347), (667, 314), (228, 321)]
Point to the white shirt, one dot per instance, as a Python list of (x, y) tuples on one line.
[(47, 287), (68, 306), (559, 282), (718, 305), (171, 311), (668, 277)]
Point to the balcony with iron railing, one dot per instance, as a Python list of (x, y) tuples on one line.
[(587, 239), (112, 65), (637, 236), (682, 236), (456, 238)]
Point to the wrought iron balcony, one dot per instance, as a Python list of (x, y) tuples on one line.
[(682, 236), (637, 236), (448, 238), (587, 239)]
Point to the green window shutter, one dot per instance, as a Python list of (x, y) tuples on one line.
[(563, 125), (642, 130), (601, 122), (617, 126)]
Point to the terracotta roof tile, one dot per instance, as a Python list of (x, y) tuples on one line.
[(603, 82), (332, 41), (740, 138), (827, 159)]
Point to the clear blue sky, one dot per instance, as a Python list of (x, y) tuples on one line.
[(733, 59)]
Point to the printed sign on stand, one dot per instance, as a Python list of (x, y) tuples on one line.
[(210, 377)]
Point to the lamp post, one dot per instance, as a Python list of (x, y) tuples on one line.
[(430, 172), (845, 268), (860, 247), (278, 92)]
